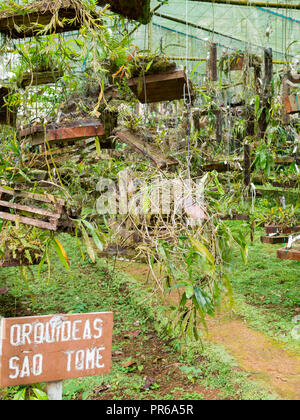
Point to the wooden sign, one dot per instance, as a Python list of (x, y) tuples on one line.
[(55, 347)]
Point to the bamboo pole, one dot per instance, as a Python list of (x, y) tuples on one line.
[(181, 58)]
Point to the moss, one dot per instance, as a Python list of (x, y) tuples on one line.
[(156, 64)]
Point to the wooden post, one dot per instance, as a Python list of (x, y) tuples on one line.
[(247, 165), (268, 60), (252, 231), (54, 390), (267, 91), (212, 64), (286, 90), (219, 121)]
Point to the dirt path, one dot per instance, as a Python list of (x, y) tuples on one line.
[(257, 354), (260, 355)]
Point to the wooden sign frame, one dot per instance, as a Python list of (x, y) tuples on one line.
[(54, 347)]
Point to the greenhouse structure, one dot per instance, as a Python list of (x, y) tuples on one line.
[(149, 202)]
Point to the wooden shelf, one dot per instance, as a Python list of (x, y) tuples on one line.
[(289, 254), (56, 133), (160, 87), (34, 16)]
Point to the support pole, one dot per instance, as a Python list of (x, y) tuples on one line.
[(54, 390)]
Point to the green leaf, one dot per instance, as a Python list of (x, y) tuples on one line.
[(94, 234), (189, 291), (61, 255), (41, 395), (201, 248), (88, 244)]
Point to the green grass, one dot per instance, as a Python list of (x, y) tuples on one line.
[(267, 291)]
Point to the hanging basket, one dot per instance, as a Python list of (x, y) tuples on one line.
[(161, 87), (134, 9), (40, 78), (231, 62), (65, 132), (30, 19)]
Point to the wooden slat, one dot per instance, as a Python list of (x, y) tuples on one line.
[(50, 199), (29, 209), (28, 221)]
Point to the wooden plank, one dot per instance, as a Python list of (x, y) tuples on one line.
[(138, 144), (289, 254), (66, 134), (78, 130)]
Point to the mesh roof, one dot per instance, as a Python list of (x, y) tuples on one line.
[(231, 27)]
